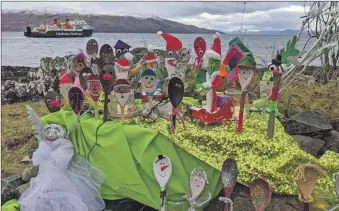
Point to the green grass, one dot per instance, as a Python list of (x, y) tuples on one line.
[(15, 124)]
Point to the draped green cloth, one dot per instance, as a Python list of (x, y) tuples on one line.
[(125, 154)]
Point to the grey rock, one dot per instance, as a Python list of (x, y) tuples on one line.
[(29, 172), (331, 142), (242, 202), (309, 144), (19, 190), (8, 186), (126, 205), (306, 123), (335, 124)]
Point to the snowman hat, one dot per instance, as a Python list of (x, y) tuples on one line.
[(160, 157), (122, 62), (85, 46), (148, 72), (65, 78), (172, 43), (121, 45), (150, 57), (215, 51)]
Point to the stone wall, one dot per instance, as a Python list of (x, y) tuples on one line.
[(19, 84)]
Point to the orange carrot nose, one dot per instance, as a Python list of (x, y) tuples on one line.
[(163, 168)]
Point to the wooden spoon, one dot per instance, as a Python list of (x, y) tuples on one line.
[(229, 175), (261, 193)]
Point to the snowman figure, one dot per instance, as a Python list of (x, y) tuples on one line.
[(162, 169), (122, 67), (173, 46)]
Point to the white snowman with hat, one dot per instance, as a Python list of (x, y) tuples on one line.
[(173, 46), (122, 67)]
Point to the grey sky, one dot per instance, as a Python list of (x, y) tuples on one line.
[(224, 16)]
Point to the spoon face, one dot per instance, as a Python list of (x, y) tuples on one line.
[(229, 175), (261, 193), (162, 169), (307, 185), (198, 181)]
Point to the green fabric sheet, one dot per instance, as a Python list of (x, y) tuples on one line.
[(11, 205), (125, 154)]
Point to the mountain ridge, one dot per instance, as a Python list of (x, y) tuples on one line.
[(17, 20)]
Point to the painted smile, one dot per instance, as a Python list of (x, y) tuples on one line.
[(149, 86), (245, 78), (161, 174)]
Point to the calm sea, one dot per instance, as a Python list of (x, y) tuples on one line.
[(18, 50)]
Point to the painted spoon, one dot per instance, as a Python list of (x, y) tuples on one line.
[(229, 175), (162, 169), (76, 99), (307, 184), (94, 88), (261, 193)]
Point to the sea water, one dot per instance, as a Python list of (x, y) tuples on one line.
[(18, 50)]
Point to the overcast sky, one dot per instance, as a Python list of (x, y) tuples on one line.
[(224, 16)]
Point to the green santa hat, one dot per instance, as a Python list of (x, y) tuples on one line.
[(247, 61)]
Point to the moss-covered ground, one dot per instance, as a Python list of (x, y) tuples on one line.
[(275, 159)]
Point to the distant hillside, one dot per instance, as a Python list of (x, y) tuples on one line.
[(269, 33), (18, 20)]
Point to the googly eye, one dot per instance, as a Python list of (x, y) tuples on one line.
[(146, 77), (151, 79), (49, 101), (57, 98), (170, 53), (201, 52), (272, 67), (125, 50), (118, 51)]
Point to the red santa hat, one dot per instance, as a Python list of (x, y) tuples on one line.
[(215, 52), (172, 43), (150, 57), (122, 62), (65, 78)]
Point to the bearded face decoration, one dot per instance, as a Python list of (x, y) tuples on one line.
[(122, 91)]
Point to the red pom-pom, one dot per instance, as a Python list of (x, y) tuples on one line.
[(107, 77), (235, 78), (250, 101), (275, 72), (55, 103)]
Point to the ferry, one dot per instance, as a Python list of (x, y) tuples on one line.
[(76, 28)]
